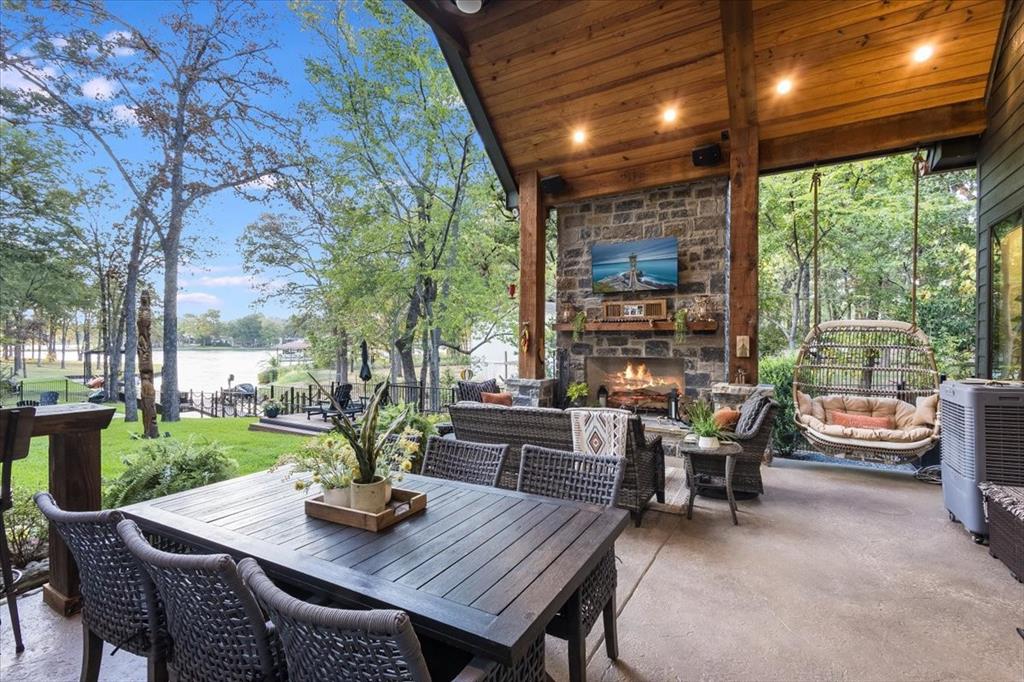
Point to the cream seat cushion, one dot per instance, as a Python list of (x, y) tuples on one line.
[(913, 424)]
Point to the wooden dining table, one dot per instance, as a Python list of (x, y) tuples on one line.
[(483, 569)]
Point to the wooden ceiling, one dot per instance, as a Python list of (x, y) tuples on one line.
[(542, 69)]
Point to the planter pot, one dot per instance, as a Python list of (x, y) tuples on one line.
[(370, 497), (338, 497), (387, 491), (707, 443), (271, 412)]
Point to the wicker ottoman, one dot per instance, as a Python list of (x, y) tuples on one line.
[(1005, 507)]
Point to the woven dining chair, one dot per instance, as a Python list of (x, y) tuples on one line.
[(117, 595), (216, 629), (459, 460), (324, 644), (584, 478), (15, 437)]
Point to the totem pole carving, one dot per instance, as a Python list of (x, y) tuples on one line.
[(148, 392)]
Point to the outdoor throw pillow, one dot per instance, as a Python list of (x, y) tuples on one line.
[(925, 414), (496, 398), (860, 421), (726, 418), (750, 410), (472, 390)]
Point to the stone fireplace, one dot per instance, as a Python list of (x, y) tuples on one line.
[(638, 384), (694, 213)]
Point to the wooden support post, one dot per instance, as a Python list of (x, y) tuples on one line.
[(738, 41), (532, 218)]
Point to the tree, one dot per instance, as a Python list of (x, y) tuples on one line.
[(866, 211), (410, 161), (193, 86)]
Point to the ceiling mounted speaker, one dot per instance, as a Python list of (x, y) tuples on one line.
[(553, 184), (708, 155), (469, 6)]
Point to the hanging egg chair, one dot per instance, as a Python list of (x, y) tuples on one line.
[(867, 389)]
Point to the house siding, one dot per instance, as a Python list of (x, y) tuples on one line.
[(1000, 165)]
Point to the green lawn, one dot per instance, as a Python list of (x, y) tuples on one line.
[(253, 450)]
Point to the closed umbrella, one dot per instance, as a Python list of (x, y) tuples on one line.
[(364, 372)]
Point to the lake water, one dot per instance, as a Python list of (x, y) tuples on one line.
[(208, 370)]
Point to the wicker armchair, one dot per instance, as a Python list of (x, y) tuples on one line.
[(459, 460), (754, 434), (323, 644), (643, 474), (118, 605), (584, 478), (216, 628)]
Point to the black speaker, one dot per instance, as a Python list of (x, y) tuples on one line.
[(707, 155), (553, 184)]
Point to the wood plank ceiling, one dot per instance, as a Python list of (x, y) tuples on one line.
[(544, 69)]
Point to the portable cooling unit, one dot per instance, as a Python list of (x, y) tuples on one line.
[(982, 440)]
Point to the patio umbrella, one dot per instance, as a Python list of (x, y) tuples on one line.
[(364, 371)]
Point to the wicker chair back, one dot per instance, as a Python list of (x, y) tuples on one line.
[(217, 630), (458, 460), (570, 475)]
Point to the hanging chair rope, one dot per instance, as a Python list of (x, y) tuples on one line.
[(919, 167), (815, 184)]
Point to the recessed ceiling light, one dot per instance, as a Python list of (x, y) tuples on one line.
[(469, 6), (923, 53), (784, 86), (579, 136), (670, 115)]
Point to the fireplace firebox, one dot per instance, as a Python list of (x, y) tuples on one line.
[(638, 384)]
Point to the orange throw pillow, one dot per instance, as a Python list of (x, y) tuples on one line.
[(497, 398), (860, 421), (726, 418)]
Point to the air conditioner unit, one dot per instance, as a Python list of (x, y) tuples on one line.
[(982, 440)]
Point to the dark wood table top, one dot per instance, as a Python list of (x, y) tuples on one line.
[(482, 568), (71, 418)]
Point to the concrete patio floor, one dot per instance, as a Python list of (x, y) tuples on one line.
[(836, 573)]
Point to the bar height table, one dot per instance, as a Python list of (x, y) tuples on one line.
[(74, 432)]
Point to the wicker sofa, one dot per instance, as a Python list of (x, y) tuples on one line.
[(644, 476)]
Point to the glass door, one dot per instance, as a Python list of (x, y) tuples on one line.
[(1007, 297)]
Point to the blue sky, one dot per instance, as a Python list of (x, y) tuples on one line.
[(217, 281)]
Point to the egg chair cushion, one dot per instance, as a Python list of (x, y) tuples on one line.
[(820, 415)]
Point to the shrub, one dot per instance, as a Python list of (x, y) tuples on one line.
[(28, 533), (163, 466), (778, 371)]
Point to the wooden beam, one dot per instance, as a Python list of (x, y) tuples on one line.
[(532, 219), (741, 85), (443, 25), (874, 137)]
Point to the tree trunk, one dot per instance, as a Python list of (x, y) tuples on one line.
[(132, 331), (86, 356), (341, 366), (169, 372), (65, 323), (78, 338)]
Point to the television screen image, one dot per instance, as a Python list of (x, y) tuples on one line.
[(644, 265)]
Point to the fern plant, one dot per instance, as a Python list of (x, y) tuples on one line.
[(166, 465)]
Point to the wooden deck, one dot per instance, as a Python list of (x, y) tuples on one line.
[(294, 424)]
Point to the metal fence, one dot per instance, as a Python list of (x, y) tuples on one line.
[(239, 403)]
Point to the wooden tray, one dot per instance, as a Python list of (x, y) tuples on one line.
[(404, 503)]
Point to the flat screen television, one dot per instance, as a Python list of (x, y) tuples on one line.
[(643, 265)]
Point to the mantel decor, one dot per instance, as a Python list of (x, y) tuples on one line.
[(701, 317), (651, 310)]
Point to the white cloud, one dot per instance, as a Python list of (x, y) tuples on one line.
[(99, 88), (14, 80), (118, 42), (125, 114), (267, 181), (59, 43), (198, 297)]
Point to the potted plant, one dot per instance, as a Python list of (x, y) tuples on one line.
[(577, 393), (375, 451), (579, 325), (331, 461), (702, 423), (271, 408)]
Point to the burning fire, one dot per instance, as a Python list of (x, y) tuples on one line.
[(635, 376)]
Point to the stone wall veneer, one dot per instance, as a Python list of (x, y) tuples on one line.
[(695, 214)]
